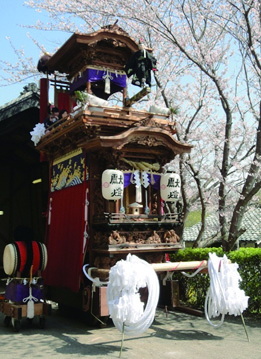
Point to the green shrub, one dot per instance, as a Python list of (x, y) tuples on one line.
[(193, 290)]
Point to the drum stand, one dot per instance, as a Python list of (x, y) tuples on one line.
[(15, 307)]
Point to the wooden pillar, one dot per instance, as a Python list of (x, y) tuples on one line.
[(174, 292), (88, 86), (44, 98), (124, 92), (117, 206)]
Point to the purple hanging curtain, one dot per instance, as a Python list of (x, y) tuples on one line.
[(118, 81), (156, 185), (97, 75)]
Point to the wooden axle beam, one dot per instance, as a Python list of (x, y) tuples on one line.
[(158, 267), (172, 266)]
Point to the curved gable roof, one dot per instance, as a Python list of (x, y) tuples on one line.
[(79, 50), (146, 136)]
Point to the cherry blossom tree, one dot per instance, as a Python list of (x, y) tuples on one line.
[(209, 68)]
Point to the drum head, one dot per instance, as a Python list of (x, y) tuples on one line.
[(44, 256), (10, 259)]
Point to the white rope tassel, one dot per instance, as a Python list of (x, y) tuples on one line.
[(30, 303), (137, 180), (125, 307), (95, 280), (107, 77), (50, 211), (85, 233), (224, 295)]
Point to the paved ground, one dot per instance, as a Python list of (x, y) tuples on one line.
[(176, 335)]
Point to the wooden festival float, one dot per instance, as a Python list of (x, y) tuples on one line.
[(109, 195)]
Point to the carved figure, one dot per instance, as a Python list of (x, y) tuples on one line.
[(116, 238), (171, 236), (155, 238)]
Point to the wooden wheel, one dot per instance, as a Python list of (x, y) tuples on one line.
[(16, 323), (42, 321), (7, 320)]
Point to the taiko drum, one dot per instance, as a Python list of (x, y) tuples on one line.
[(20, 255)]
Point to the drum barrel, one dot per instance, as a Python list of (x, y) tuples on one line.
[(20, 256)]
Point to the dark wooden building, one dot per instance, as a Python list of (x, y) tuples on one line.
[(22, 203)]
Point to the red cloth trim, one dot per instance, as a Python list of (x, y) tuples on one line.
[(65, 238), (22, 247), (23, 254), (36, 257), (64, 101)]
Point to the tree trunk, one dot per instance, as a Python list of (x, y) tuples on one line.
[(224, 173), (251, 187)]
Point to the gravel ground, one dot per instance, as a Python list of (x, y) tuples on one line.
[(172, 335)]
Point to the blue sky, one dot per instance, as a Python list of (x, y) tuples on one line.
[(14, 14)]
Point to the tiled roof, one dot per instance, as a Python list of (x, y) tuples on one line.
[(27, 99), (212, 225), (251, 221)]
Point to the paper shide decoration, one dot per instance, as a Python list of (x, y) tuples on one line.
[(37, 133)]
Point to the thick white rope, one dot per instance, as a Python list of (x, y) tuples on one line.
[(95, 280), (224, 295), (125, 307)]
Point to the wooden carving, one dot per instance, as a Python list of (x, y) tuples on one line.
[(148, 141)]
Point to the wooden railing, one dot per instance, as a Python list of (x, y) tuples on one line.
[(143, 218)]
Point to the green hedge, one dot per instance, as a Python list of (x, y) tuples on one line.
[(193, 290)]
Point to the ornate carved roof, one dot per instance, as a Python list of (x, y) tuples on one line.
[(144, 136), (110, 46), (120, 129)]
